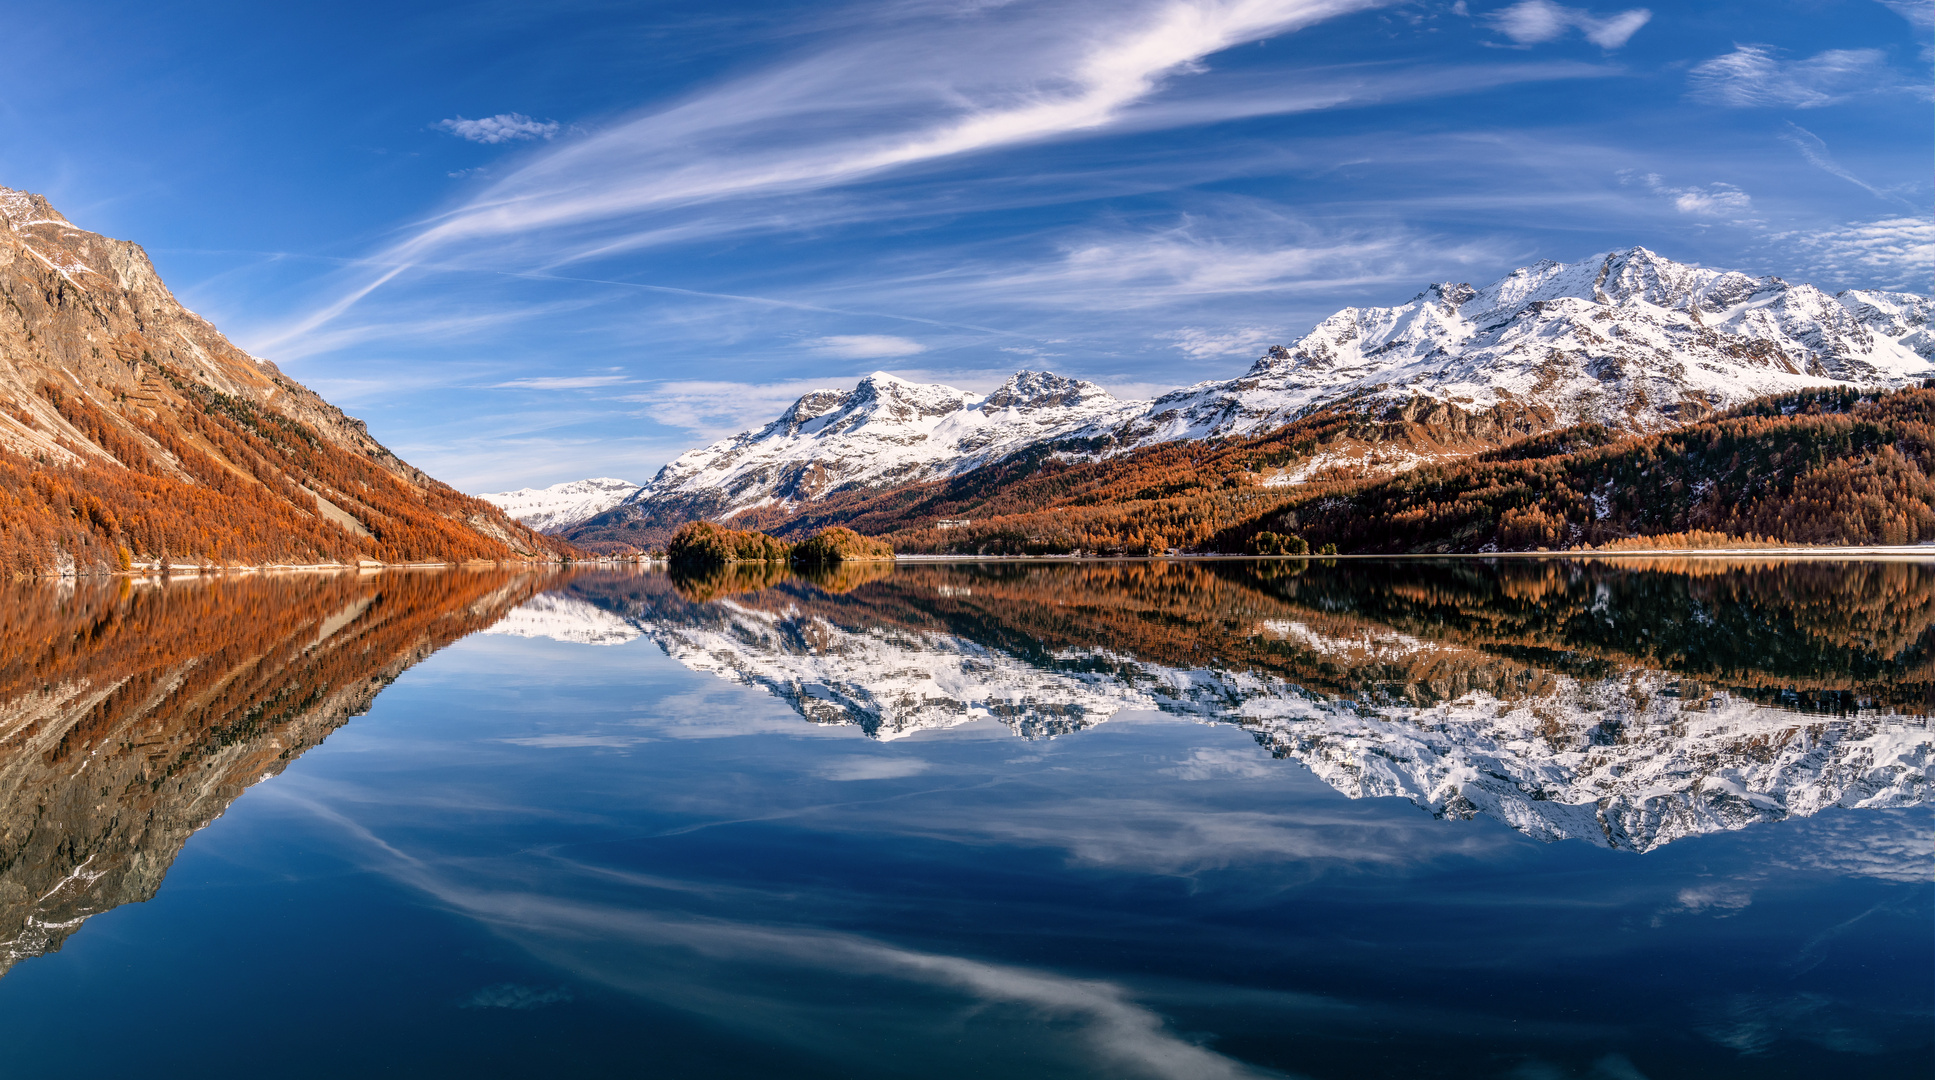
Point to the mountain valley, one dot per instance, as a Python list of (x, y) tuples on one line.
[(1624, 345)]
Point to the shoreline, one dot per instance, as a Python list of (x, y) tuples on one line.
[(143, 571), (1919, 551)]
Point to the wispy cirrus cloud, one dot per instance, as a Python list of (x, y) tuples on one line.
[(1920, 15), (1815, 150), (865, 346), (1006, 80), (1200, 343), (563, 382), (1534, 22), (711, 410), (1248, 250), (1891, 253), (918, 92), (502, 128), (1757, 76)]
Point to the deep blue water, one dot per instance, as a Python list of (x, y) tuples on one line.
[(535, 857)]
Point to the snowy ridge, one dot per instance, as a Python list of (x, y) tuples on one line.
[(560, 506), (1634, 761), (1628, 339), (884, 431)]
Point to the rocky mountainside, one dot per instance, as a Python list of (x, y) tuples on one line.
[(1629, 339), (132, 432), (1632, 758), (552, 509)]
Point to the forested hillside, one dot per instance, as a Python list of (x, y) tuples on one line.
[(1818, 467)]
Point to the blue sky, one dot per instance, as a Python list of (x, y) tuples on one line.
[(535, 242)]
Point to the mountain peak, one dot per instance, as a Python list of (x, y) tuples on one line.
[(20, 209), (104, 373), (1626, 338), (560, 506), (1044, 390)]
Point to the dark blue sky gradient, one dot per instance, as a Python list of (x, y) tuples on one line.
[(1167, 214)]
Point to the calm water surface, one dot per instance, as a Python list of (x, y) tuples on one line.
[(1349, 819)]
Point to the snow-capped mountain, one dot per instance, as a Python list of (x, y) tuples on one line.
[(884, 431), (560, 506), (1634, 760), (1629, 339)]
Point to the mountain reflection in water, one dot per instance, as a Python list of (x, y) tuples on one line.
[(535, 858), (133, 713), (1626, 703)]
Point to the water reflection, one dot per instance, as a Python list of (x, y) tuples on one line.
[(133, 714), (1625, 704), (534, 858)]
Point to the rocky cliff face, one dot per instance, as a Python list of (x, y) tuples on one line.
[(1628, 339), (102, 369), (130, 720)]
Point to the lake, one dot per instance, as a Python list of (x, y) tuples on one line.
[(1519, 818)]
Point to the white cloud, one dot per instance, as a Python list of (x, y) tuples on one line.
[(1201, 344), (1533, 22), (1815, 150), (571, 382), (1247, 252), (795, 129), (913, 93), (865, 346), (716, 410), (1893, 253), (1754, 76), (1713, 200), (1919, 13), (502, 128)]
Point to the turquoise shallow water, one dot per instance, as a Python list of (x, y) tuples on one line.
[(1127, 821)]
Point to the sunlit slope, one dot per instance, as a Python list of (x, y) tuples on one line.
[(132, 431), (1817, 467)]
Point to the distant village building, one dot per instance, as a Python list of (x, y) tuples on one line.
[(956, 523)]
